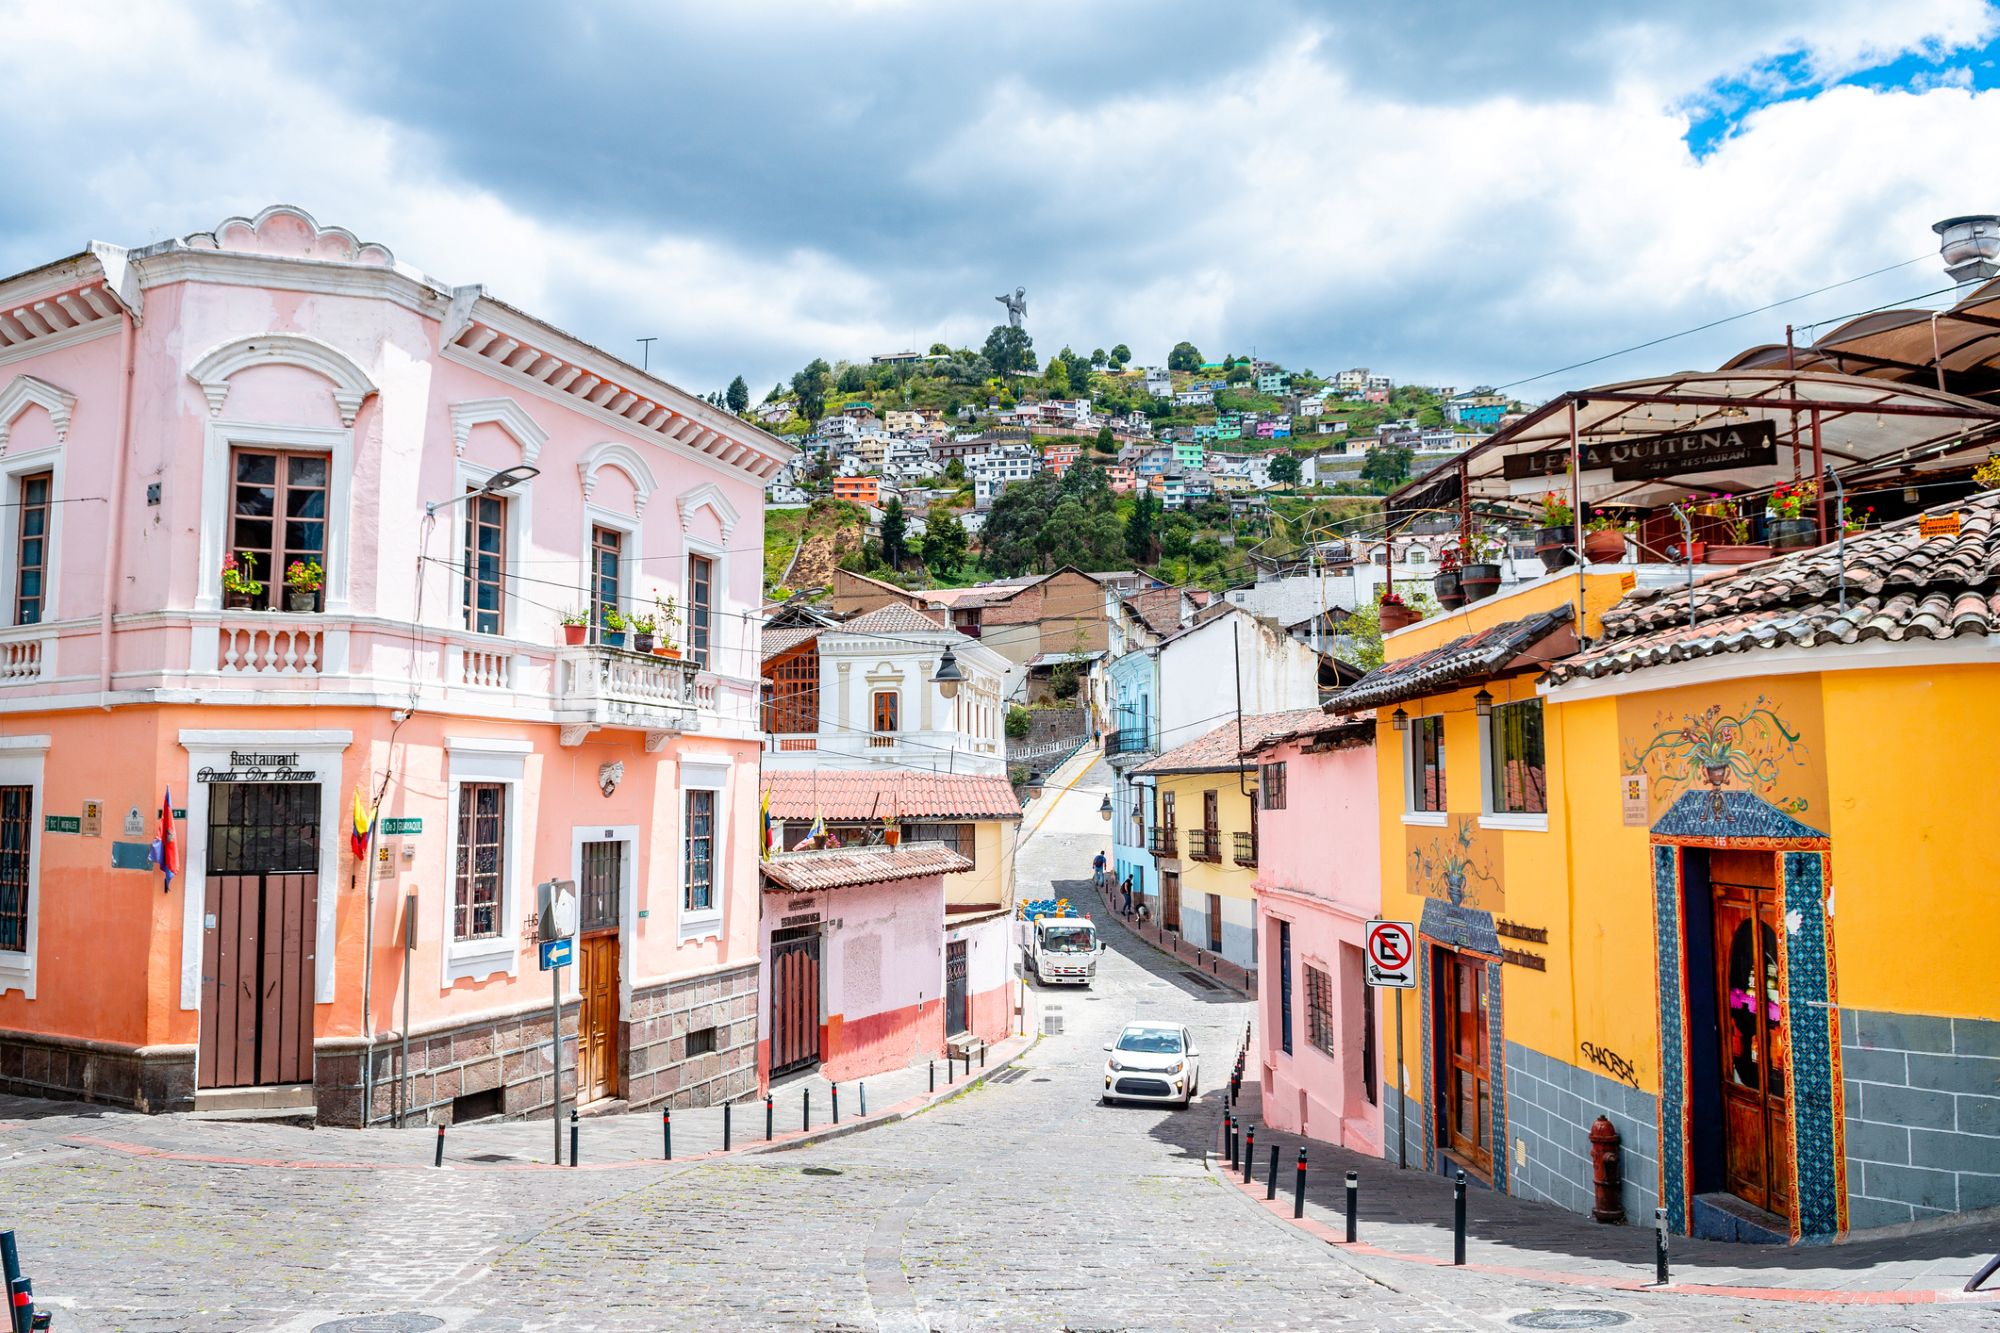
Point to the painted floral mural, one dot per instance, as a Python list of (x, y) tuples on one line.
[(1755, 745), (1456, 865)]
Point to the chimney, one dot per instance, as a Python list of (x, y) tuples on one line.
[(1970, 248)]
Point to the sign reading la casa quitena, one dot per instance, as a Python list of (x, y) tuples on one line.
[(1739, 444), (250, 766)]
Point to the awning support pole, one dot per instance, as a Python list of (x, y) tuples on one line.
[(1576, 516), (1819, 470)]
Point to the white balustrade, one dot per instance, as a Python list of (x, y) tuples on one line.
[(20, 660), (258, 646), (486, 668)]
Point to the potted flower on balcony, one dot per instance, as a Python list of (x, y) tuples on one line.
[(892, 829), (613, 635), (1395, 612), (1478, 565), (1555, 531), (1450, 593), (303, 580), (240, 587), (575, 627), (1987, 475), (1792, 527), (1726, 512), (1604, 537), (1852, 523), (642, 632), (666, 615)]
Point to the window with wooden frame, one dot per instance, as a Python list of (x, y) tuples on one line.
[(959, 837), (607, 567), (700, 608), (17, 833), (1271, 785), (1426, 747), (887, 710), (485, 564), (31, 550), (482, 860), (792, 706), (1319, 1009), (277, 515), (1517, 778), (698, 852)]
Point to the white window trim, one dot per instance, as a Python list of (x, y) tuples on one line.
[(702, 773), (1506, 820), (484, 759), (218, 440), (629, 553), (320, 752), (628, 896), (22, 759), (13, 467), (718, 596), (470, 476), (1412, 815)]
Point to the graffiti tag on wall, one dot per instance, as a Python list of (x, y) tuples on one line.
[(1611, 1063)]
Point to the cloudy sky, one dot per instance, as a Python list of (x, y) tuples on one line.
[(1454, 191)]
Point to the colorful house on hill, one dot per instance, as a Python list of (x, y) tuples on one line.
[(1674, 873), (1317, 884)]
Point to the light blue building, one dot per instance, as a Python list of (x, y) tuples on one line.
[(1135, 693)]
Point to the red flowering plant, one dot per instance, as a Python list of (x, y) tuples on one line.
[(1726, 510), (1851, 522), (241, 578), (1389, 596), (1790, 500), (1554, 511)]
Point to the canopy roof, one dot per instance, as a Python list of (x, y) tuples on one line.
[(1866, 426), (1958, 348)]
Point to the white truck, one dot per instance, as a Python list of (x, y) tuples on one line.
[(1058, 950)]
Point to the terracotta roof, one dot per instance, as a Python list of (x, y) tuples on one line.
[(1476, 656), (1901, 587), (894, 618), (847, 867), (864, 794), (1222, 749), (785, 638), (1342, 726)]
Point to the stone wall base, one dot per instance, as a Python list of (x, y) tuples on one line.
[(152, 1079), (484, 1068), (659, 1068)]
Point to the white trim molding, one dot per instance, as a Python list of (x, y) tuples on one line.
[(25, 391), (218, 440), (22, 759), (503, 760), (351, 385), (709, 773), (618, 454), (708, 496), (505, 413)]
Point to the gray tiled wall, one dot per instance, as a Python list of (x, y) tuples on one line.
[(1550, 1107), (1416, 1115), (1923, 1115)]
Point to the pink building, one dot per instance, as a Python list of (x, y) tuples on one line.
[(1318, 883), (450, 476)]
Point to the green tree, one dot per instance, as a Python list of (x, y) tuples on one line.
[(939, 349), (1098, 358), (954, 470), (1176, 536), (1056, 377), (1387, 467), (1105, 443), (811, 385), (1285, 469), (1185, 356), (737, 397), (1009, 350), (1140, 527), (1122, 354), (777, 392), (894, 533), (943, 543), (852, 379)]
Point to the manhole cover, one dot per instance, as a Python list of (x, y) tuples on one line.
[(1571, 1319), (381, 1323), (1052, 1025), (820, 1171)]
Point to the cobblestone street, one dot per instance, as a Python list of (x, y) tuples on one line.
[(1022, 1203)]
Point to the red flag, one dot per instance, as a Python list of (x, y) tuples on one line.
[(166, 853)]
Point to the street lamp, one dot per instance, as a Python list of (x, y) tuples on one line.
[(1482, 704), (502, 481), (1399, 720), (948, 677), (1104, 810)]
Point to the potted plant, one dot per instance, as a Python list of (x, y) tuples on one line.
[(1791, 524), (892, 829), (575, 627), (240, 587), (303, 580), (1604, 537), (1555, 531), (1395, 612), (1726, 512), (1450, 593), (612, 632), (642, 632), (666, 615), (1987, 475), (1478, 565), (1851, 522)]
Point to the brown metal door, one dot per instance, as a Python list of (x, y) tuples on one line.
[(1170, 900), (794, 999), (260, 908), (957, 1010), (1756, 1129), (1468, 1087)]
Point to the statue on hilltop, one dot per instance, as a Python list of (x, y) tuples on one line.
[(1017, 305)]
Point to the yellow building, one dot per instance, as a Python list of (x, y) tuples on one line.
[(1205, 833), (1625, 855)]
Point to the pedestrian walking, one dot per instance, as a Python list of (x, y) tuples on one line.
[(1126, 910), (1097, 871)]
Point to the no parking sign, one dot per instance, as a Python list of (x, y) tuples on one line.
[(1391, 950)]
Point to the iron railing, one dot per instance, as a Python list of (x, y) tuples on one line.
[(1246, 849), (1128, 740), (1166, 841), (1204, 844)]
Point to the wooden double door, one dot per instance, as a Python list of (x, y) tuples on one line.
[(1750, 989), (794, 999), (260, 911), (1170, 900), (1464, 1060), (597, 971)]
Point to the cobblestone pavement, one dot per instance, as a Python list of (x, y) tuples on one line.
[(1022, 1204)]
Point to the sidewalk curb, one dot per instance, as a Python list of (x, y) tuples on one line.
[(902, 1110), (1111, 911), (1279, 1210)]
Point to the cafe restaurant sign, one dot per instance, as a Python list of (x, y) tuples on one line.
[(1652, 457), (254, 766)]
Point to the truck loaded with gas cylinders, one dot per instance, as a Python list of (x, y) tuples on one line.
[(1059, 945)]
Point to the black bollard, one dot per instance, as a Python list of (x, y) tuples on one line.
[(572, 1138), (1299, 1187), (806, 1108), (726, 1108), (1660, 1246), (1249, 1153), (1234, 1130), (862, 1089), (1271, 1185), (1458, 1220), (836, 1103), (1353, 1203), (770, 1114), (982, 1053), (933, 1076), (437, 1158), (21, 1293), (10, 1268), (667, 1133), (1222, 1143)]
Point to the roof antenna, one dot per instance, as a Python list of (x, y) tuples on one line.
[(646, 352)]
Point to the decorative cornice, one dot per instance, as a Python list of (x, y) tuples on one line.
[(324, 243), (505, 413), (351, 385), (708, 497), (25, 391), (627, 460)]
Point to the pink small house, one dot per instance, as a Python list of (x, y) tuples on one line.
[(1318, 883)]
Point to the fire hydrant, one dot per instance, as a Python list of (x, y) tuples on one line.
[(1606, 1172)]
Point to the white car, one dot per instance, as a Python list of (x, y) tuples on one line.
[(1152, 1062)]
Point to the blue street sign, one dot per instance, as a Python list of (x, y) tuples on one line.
[(556, 953)]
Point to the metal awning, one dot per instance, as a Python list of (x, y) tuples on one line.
[(1956, 348), (1860, 426)]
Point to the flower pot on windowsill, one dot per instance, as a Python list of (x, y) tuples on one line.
[(892, 836), (574, 635), (668, 651), (1556, 547), (302, 599), (1398, 615), (1604, 548), (1717, 554), (642, 643), (612, 638), (1449, 592), (1479, 581), (236, 601), (1793, 534)]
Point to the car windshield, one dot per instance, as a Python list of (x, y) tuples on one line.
[(1066, 939), (1150, 1041)]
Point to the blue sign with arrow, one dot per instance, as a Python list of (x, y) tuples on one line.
[(557, 953)]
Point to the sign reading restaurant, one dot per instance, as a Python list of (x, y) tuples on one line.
[(247, 766), (1651, 457)]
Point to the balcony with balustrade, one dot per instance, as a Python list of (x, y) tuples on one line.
[(1246, 849), (1129, 745), (1165, 841), (1204, 844), (611, 687)]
